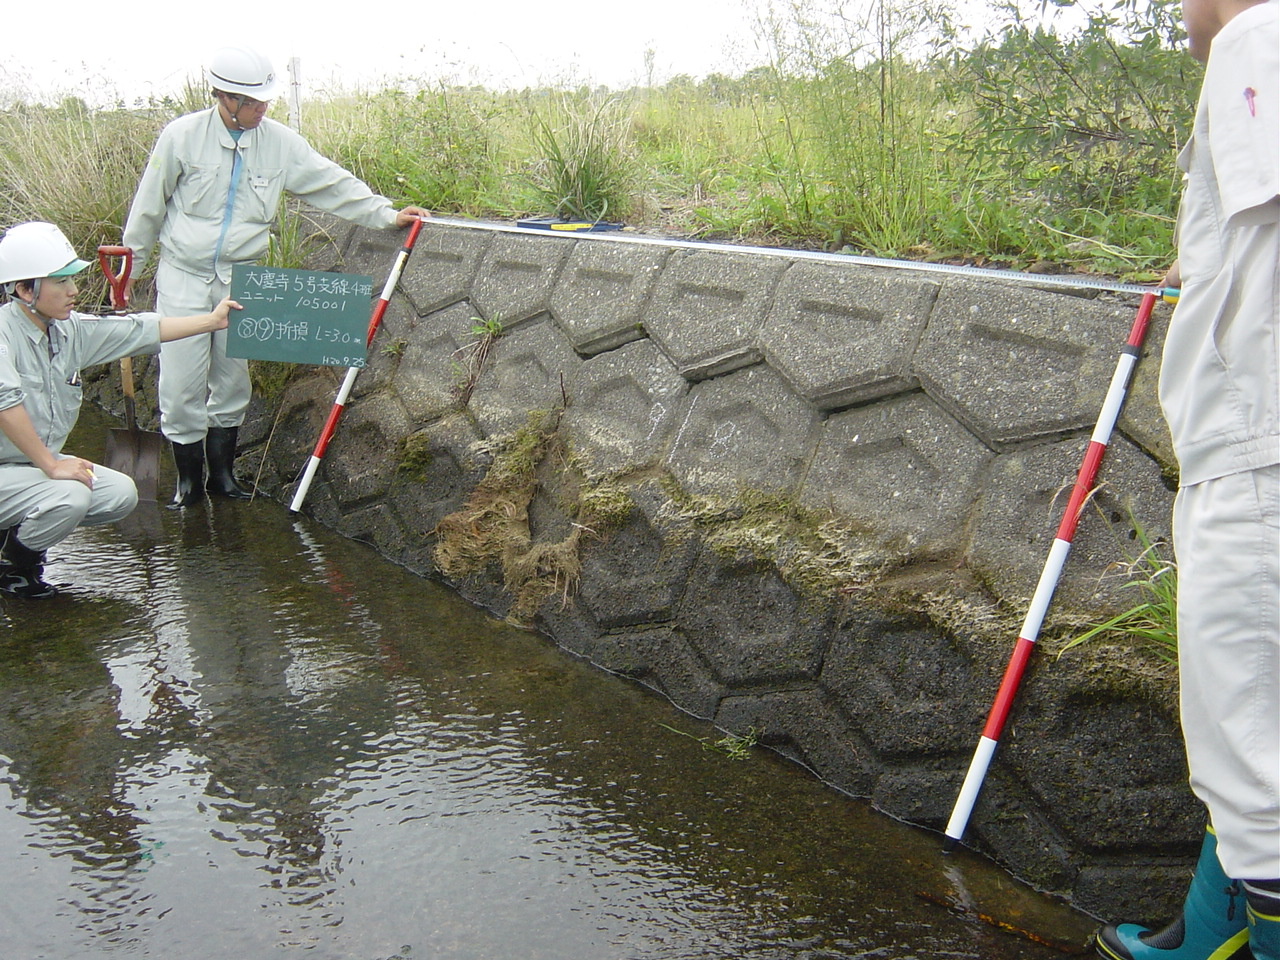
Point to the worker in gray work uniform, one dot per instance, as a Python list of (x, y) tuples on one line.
[(45, 493), (208, 197)]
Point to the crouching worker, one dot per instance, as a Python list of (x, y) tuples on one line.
[(44, 493)]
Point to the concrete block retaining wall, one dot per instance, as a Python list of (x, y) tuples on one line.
[(841, 484)]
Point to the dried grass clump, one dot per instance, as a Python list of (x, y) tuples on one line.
[(493, 525)]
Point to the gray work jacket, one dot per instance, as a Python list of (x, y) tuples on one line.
[(182, 196), (42, 371)]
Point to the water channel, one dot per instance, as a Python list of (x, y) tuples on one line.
[(237, 736)]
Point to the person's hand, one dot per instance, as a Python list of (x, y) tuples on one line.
[(1174, 277), (222, 312), (72, 468), (128, 293), (409, 214)]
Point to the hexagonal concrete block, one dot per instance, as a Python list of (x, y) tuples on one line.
[(1147, 887), (442, 265), (572, 627), (916, 793), (361, 460), (443, 475), (802, 724), (633, 576), (845, 334), (661, 659), (707, 308), (749, 625), (904, 468), (1021, 506), (382, 357), (517, 275), (293, 428), (1114, 782), (432, 365), (746, 429), (909, 691), (624, 408), (1011, 826), (372, 252), (527, 370), (1014, 365), (327, 236), (603, 291)]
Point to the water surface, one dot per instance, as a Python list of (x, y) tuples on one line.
[(236, 735)]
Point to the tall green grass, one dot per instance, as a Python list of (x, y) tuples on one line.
[(436, 147), (581, 163), (1153, 621), (881, 135), (72, 166)]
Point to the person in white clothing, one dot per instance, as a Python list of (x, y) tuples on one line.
[(1220, 391), (46, 493), (207, 198)]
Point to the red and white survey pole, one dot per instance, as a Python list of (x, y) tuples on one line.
[(340, 402), (1052, 571)]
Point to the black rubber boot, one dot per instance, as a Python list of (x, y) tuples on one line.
[(220, 447), (189, 459), (22, 570)]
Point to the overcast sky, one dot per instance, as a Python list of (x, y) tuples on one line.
[(151, 46)]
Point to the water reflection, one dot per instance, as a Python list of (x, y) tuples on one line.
[(237, 735)]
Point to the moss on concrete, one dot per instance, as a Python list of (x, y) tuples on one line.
[(413, 457), (269, 378), (819, 554)]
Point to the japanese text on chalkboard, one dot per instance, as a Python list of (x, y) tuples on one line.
[(299, 316)]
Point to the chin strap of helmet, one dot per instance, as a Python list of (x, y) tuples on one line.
[(30, 307), (235, 114)]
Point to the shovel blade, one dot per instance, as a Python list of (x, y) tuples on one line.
[(137, 454)]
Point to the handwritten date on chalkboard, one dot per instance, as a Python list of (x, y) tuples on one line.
[(299, 316)]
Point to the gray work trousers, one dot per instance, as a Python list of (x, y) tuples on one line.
[(46, 511), (200, 386)]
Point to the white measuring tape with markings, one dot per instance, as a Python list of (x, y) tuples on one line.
[(1169, 294)]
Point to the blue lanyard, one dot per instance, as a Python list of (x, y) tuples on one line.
[(231, 195)]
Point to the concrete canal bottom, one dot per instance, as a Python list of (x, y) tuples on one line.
[(235, 735)]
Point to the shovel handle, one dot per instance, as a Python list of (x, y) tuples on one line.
[(126, 385), (117, 281), (126, 380)]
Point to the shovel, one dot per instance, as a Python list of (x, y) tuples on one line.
[(131, 451)]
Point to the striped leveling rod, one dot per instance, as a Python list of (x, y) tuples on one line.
[(340, 402), (1049, 575)]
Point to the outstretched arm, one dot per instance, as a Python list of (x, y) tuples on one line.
[(16, 425), (176, 328)]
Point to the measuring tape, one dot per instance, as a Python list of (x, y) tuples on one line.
[(1167, 294)]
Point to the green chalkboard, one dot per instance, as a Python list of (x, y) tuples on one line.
[(299, 316)]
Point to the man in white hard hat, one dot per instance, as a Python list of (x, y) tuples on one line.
[(44, 493), (208, 197)]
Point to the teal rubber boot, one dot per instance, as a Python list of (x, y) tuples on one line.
[(1263, 898), (1212, 925)]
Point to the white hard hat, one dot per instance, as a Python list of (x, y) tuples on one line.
[(32, 251), (243, 71)]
